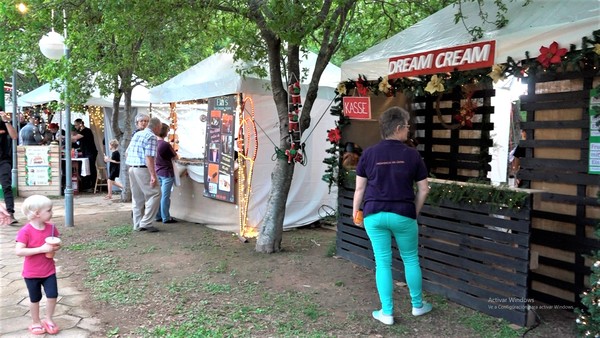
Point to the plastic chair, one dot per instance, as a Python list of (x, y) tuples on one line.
[(101, 179)]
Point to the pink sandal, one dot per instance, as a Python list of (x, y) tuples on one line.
[(51, 328), (36, 329)]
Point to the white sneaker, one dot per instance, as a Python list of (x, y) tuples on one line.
[(386, 319), (419, 311)]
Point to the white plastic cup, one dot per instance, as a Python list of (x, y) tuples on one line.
[(54, 241)]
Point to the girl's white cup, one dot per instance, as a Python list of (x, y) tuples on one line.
[(54, 241)]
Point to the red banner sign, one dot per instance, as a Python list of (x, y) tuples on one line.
[(357, 107), (464, 57)]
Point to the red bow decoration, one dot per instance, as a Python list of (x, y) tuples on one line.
[(551, 54), (361, 85), (467, 110)]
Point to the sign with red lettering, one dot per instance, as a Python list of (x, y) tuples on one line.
[(464, 57), (357, 107)]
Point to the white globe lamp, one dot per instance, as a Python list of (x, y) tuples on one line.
[(52, 45)]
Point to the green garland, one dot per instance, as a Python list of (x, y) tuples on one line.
[(497, 197)]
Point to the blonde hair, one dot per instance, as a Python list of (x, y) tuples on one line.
[(33, 204), (114, 144)]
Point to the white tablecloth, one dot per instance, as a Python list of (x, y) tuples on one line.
[(85, 165)]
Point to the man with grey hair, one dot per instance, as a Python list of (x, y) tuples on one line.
[(145, 190)]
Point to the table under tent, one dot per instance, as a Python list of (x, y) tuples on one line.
[(490, 247)]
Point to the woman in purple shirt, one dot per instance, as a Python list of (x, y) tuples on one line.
[(385, 178)]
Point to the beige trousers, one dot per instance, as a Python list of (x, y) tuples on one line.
[(145, 199)]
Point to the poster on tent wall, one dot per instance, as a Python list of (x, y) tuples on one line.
[(219, 157), (594, 160)]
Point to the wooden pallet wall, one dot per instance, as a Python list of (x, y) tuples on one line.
[(475, 256), (458, 154), (563, 217)]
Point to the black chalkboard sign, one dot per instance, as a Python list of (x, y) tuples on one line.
[(219, 157)]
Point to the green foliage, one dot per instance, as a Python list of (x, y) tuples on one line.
[(496, 197), (375, 21), (477, 31), (112, 284)]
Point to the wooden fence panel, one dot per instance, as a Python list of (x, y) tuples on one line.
[(474, 256), (557, 147)]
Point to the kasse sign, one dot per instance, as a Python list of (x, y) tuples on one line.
[(464, 57)]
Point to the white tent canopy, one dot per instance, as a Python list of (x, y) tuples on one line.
[(538, 24), (140, 97), (309, 198), (216, 76)]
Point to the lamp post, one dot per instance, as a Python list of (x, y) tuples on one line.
[(15, 124), (22, 8), (53, 46)]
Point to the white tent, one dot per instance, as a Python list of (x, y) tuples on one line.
[(140, 97), (530, 27), (217, 76)]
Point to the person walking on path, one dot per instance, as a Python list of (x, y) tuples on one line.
[(38, 269), (145, 192), (114, 167), (166, 175), (385, 177), (7, 136)]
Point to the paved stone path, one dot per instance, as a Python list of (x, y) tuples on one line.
[(70, 315)]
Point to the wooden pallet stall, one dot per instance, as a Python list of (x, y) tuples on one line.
[(485, 257), (556, 161)]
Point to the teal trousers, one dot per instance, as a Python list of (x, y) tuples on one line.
[(380, 229)]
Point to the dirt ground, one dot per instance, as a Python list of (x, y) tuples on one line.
[(157, 284)]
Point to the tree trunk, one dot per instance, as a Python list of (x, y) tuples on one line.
[(271, 230)]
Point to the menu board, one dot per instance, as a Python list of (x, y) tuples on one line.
[(594, 159), (219, 156), (37, 165)]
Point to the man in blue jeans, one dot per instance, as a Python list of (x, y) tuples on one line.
[(166, 175)]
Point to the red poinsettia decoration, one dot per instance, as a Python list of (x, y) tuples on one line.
[(551, 54), (334, 135)]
